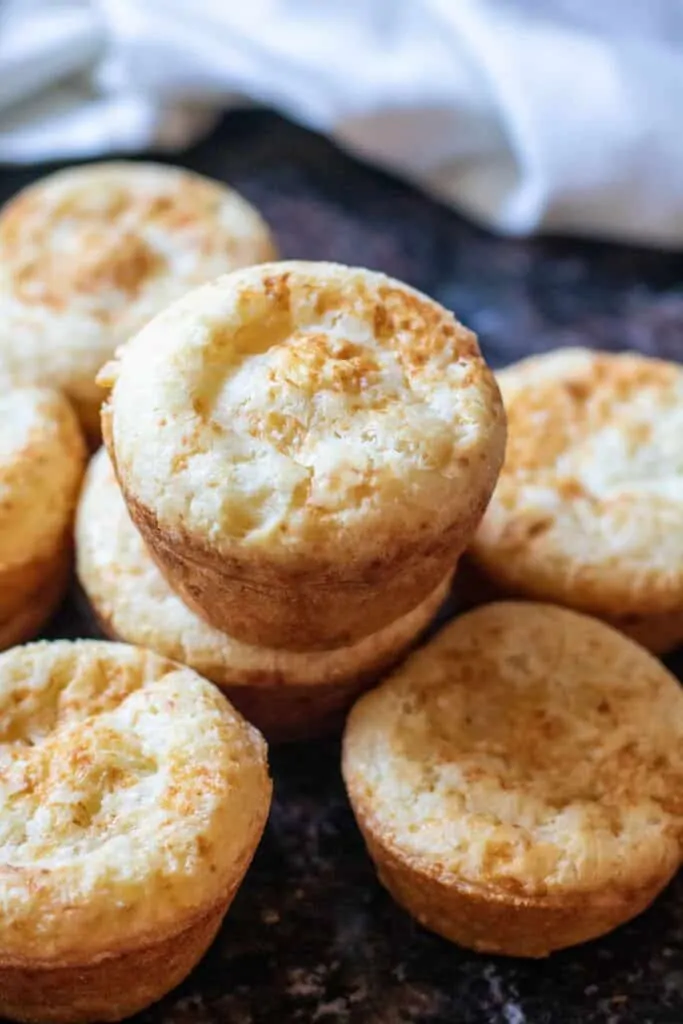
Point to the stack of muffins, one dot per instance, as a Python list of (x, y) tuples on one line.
[(305, 449), (296, 457)]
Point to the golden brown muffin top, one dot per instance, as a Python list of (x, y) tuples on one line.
[(89, 254), (306, 409), (526, 749)]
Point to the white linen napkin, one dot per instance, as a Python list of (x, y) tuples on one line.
[(525, 119)]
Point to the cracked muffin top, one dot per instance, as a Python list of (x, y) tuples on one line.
[(131, 793), (305, 409)]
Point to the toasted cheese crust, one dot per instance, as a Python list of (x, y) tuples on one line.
[(527, 754), (89, 254), (42, 457), (308, 411), (132, 797), (132, 599), (588, 510)]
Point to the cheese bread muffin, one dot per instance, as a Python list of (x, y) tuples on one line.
[(288, 695), (42, 457), (89, 254), (519, 781), (588, 510), (132, 799), (306, 449)]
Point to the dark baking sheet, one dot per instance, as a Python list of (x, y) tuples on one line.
[(311, 936)]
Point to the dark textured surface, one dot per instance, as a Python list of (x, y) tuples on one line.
[(311, 936)]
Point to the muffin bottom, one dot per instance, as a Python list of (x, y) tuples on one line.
[(111, 987), (660, 633), (286, 712), (504, 924), (313, 608), (21, 623)]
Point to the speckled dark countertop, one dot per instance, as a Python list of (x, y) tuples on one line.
[(311, 936)]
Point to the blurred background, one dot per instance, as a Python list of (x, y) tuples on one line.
[(526, 114), (520, 160)]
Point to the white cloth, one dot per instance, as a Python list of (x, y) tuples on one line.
[(524, 120)]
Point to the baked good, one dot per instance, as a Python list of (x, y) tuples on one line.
[(42, 457), (89, 254), (519, 780), (588, 510), (288, 695), (133, 797), (332, 437), (661, 634)]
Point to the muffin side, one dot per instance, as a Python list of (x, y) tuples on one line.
[(659, 633), (286, 694)]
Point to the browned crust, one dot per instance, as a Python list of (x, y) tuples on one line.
[(29, 595), (283, 712), (111, 987), (502, 923), (287, 714), (659, 632), (310, 607), (22, 582)]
